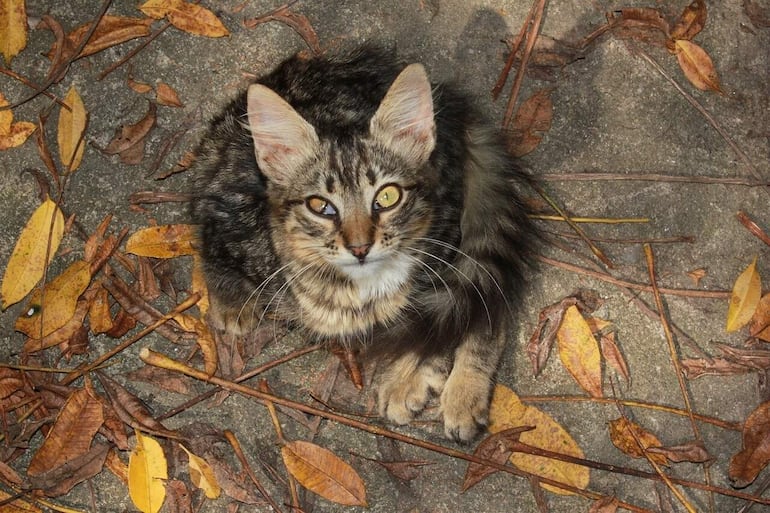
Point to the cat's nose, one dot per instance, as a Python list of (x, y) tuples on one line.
[(360, 251)]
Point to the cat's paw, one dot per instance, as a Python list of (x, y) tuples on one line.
[(465, 404), (406, 386)]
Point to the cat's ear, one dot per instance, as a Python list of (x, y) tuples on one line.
[(283, 140), (404, 120)]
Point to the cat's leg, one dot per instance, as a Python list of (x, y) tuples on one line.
[(466, 394), (408, 383)]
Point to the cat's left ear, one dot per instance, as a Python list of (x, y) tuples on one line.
[(283, 140), (404, 120)]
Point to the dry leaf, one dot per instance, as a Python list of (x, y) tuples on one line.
[(747, 291), (70, 130), (755, 454), (167, 96), (167, 241), (129, 140), (28, 261), (693, 452), (298, 22), (697, 367), (696, 275), (13, 28), (643, 24), (497, 447), (532, 120), (624, 435), (607, 504), (67, 332), (507, 411), (579, 351), (178, 497), (189, 17), (697, 66), (147, 473), (12, 134), (322, 472), (72, 432), (130, 409), (760, 321), (114, 464), (139, 87), (692, 21), (111, 31), (758, 15), (202, 475), (14, 504), (52, 308), (62, 479), (99, 316)]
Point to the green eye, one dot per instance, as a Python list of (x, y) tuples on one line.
[(321, 206), (387, 197)]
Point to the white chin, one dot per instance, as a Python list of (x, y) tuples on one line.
[(377, 277)]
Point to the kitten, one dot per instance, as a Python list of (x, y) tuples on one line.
[(350, 196)]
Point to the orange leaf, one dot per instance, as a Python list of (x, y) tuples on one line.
[(579, 351), (760, 321), (532, 120), (6, 117), (111, 31), (167, 241), (755, 455), (62, 335), (99, 312), (624, 435), (72, 431), (167, 96), (691, 21), (13, 28), (322, 472), (71, 127), (697, 66), (12, 134), (747, 291), (191, 18)]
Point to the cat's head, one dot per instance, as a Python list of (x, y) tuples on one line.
[(356, 204)]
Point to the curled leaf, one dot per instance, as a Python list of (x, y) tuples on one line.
[(746, 294), (12, 134), (71, 127), (691, 21), (693, 452), (760, 321), (111, 31), (633, 439), (147, 472), (167, 241), (202, 475), (189, 17), (697, 66), (579, 351), (28, 261), (755, 454), (497, 447)]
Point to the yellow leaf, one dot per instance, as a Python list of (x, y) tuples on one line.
[(147, 471), (99, 312), (6, 117), (16, 505), (58, 303), (13, 28), (322, 472), (72, 432), (202, 475), (507, 411), (624, 435), (72, 126), (16, 136), (191, 18), (745, 298), (579, 351), (167, 241), (199, 285), (697, 66), (28, 260)]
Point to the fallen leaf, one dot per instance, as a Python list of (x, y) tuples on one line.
[(130, 409), (167, 241), (755, 454), (323, 473), (691, 21), (52, 308), (746, 294), (507, 411), (696, 275), (532, 120), (624, 435), (111, 31), (132, 137), (693, 452), (698, 367), (14, 504), (298, 22), (28, 261), (202, 475), (760, 321), (758, 15), (165, 379), (147, 473), (70, 130), (496, 447), (61, 335), (608, 504), (613, 356), (189, 17), (99, 316), (178, 497), (644, 24), (697, 66), (579, 351), (114, 464), (139, 87), (167, 96), (13, 28), (12, 134), (72, 432), (9, 475), (63, 479)]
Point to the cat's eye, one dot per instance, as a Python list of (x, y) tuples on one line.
[(387, 197), (321, 206)]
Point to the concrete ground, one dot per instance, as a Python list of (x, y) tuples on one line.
[(613, 112)]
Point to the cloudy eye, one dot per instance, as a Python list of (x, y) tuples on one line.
[(321, 206), (387, 197)]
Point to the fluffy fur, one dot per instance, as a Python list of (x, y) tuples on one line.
[(367, 206)]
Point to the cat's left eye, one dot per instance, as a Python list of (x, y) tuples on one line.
[(387, 197)]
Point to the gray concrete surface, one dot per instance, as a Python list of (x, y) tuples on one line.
[(612, 113)]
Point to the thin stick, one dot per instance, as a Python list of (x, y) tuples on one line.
[(33, 86), (602, 220), (650, 177), (244, 462), (686, 239), (133, 52), (514, 50)]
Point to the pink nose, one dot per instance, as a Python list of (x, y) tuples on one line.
[(360, 251)]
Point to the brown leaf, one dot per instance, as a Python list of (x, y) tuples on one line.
[(749, 462), (753, 227), (9, 475), (139, 87), (691, 21), (697, 367), (608, 504), (624, 435), (11, 381), (497, 447), (118, 467), (165, 379), (759, 326), (61, 480), (693, 452), (13, 28), (697, 66), (111, 31), (121, 324), (644, 24), (758, 15), (531, 121), (128, 136), (167, 241), (298, 22), (72, 432), (167, 96), (189, 17), (349, 359), (99, 316), (322, 472), (66, 332), (696, 275), (178, 497), (612, 355)]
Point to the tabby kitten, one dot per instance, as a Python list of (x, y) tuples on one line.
[(368, 207)]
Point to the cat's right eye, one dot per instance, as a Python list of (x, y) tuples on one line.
[(321, 206)]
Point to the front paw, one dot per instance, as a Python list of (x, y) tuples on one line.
[(406, 386), (465, 405)]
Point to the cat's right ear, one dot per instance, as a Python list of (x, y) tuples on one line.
[(283, 140)]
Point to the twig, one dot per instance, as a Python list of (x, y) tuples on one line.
[(514, 49), (245, 464), (133, 52), (33, 86), (649, 177), (686, 239), (602, 220)]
